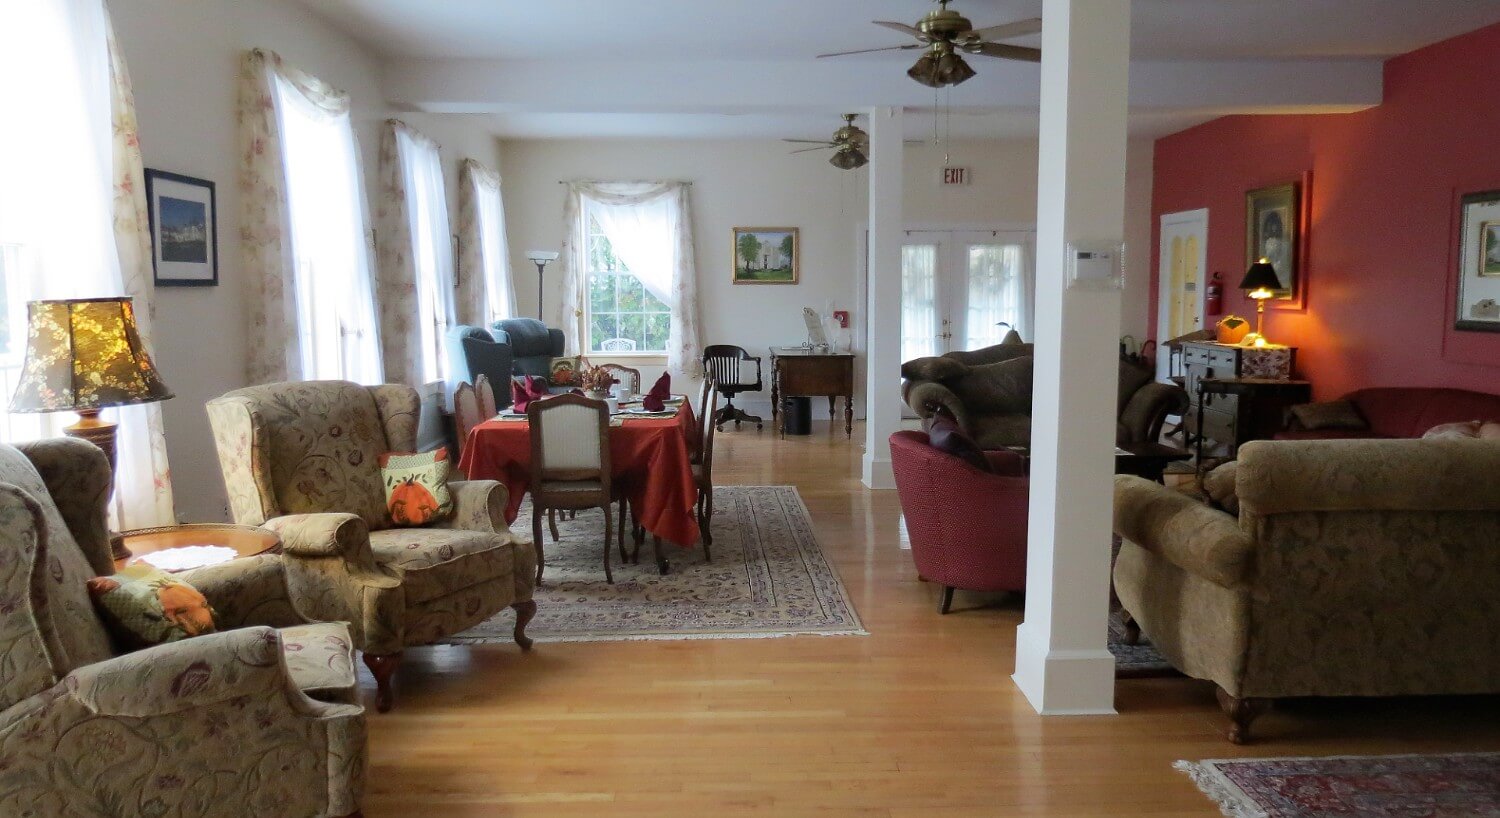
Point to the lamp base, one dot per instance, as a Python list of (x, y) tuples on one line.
[(101, 433)]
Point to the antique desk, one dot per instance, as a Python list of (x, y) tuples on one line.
[(1258, 408), (802, 372)]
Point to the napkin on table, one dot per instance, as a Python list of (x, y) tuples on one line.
[(656, 399), (522, 394)]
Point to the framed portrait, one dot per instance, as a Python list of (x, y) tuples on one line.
[(1273, 231), (184, 229), (766, 255), (1478, 307)]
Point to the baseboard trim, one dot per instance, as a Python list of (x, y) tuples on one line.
[(1063, 682)]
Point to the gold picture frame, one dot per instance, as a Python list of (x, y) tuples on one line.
[(765, 255), (1273, 230)]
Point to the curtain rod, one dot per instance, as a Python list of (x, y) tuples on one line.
[(622, 182)]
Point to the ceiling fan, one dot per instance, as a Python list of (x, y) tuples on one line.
[(851, 145), (947, 35)]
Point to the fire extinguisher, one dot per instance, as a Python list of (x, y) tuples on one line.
[(1213, 301)]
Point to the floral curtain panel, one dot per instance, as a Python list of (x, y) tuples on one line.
[(650, 225), (487, 291)]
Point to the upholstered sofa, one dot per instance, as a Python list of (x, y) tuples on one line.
[(217, 725), (1354, 568), (473, 351), (302, 459), (532, 345), (989, 392), (1404, 412)]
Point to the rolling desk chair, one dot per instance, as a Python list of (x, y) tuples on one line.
[(722, 363)]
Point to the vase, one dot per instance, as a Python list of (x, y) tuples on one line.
[(598, 394)]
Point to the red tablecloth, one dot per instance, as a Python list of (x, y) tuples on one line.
[(648, 458)]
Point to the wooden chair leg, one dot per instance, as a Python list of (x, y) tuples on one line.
[(947, 599), (1132, 634), (661, 560), (524, 612), (536, 538), (383, 667), (1241, 713), (552, 521), (609, 526), (623, 519)]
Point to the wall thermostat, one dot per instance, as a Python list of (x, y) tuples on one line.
[(1096, 265)]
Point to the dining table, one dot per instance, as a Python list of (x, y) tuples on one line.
[(650, 461)]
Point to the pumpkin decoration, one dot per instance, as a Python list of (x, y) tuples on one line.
[(1231, 329), (416, 487), (411, 503)]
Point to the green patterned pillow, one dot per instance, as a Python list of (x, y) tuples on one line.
[(565, 371), (416, 487), (144, 606)]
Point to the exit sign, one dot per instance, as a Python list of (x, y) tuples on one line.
[(955, 176)]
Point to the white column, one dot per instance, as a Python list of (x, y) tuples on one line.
[(883, 312), (1062, 662)]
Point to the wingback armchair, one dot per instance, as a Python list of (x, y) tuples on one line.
[(216, 725), (532, 345), (302, 459)]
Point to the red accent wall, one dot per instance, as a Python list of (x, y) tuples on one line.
[(1380, 265)]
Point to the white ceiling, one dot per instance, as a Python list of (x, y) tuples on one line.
[(658, 43)]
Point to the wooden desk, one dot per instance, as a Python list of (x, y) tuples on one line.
[(804, 373), (1258, 408)]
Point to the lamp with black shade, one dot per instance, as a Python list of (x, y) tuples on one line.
[(1260, 283)]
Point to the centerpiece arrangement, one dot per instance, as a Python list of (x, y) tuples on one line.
[(596, 381)]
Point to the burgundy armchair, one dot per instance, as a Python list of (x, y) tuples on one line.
[(967, 526)]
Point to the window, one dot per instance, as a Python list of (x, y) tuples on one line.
[(623, 316), (12, 338), (919, 309), (494, 252), (995, 293), (431, 251)]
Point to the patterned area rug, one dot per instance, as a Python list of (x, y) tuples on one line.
[(1138, 660), (1408, 786), (768, 578)]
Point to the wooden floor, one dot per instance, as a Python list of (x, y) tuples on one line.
[(919, 718)]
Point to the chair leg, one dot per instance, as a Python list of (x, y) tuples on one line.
[(947, 599), (536, 537), (1132, 635), (383, 667), (623, 520), (524, 612), (1241, 713), (609, 526), (552, 521), (661, 560)]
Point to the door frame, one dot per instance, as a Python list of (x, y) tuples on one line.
[(1198, 217)]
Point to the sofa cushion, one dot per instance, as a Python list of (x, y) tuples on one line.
[(439, 561), (1002, 388), (527, 337), (1132, 378), (1456, 405), (1490, 431), (992, 354), (1330, 434), (1219, 486), (1462, 430), (937, 368), (945, 436), (1000, 431), (1334, 414)]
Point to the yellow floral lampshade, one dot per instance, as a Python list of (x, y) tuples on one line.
[(85, 354)]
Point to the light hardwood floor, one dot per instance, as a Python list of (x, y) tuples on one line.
[(919, 718)]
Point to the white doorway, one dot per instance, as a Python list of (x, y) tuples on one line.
[(959, 286), (1181, 279)]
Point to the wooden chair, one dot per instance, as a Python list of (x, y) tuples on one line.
[(722, 363), (488, 404), (570, 467), (703, 462), (626, 375), (467, 412)]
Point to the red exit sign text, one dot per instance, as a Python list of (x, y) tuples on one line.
[(955, 176)]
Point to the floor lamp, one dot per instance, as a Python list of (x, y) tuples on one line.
[(541, 258)]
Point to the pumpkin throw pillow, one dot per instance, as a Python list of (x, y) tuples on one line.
[(416, 487), (1334, 414), (144, 606), (565, 371)]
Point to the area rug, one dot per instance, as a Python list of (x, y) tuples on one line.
[(768, 578), (1135, 661), (1408, 786)]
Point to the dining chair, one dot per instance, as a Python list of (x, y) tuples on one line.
[(467, 412), (570, 467), (703, 462), (625, 374), (488, 406)]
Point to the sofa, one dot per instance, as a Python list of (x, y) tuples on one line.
[(1403, 412), (222, 724), (473, 351), (532, 345), (989, 392), (1354, 568)]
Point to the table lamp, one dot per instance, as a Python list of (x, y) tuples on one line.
[(541, 258), (1260, 283), (83, 355)]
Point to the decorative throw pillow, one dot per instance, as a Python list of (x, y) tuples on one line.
[(565, 371), (1219, 486), (1334, 414), (416, 487), (144, 606), (936, 368), (1462, 430), (945, 436), (1490, 430)]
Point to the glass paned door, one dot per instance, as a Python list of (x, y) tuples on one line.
[(996, 293), (919, 302)]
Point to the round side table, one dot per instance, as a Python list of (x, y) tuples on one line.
[(245, 540)]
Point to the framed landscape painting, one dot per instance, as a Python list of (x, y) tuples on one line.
[(1478, 307), (184, 229), (766, 255)]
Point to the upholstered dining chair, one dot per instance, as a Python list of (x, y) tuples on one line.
[(625, 375), (488, 404), (702, 462), (467, 412), (570, 468), (723, 362), (302, 459)]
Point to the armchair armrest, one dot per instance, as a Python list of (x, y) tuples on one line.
[(333, 577), (1179, 529), (1148, 408), (478, 505), (925, 396), (329, 534), (556, 342)]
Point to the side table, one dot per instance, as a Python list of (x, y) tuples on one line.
[(1260, 407), (245, 540)]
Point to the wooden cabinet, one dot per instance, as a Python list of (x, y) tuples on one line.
[(1251, 410), (802, 372)]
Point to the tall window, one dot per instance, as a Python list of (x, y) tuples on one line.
[(919, 308), (996, 293), (623, 316), (335, 314), (431, 250), (487, 230)]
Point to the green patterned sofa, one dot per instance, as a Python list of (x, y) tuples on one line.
[(1355, 568), (302, 459), (217, 725)]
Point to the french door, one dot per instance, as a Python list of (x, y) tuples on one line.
[(964, 289)]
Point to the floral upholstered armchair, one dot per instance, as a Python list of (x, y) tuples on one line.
[(216, 725), (302, 459)]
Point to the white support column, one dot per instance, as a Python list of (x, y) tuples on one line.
[(1062, 662), (883, 312)]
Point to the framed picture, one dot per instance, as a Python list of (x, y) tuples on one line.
[(1478, 306), (1273, 231), (766, 255), (184, 229)]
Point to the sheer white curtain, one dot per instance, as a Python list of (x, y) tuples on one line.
[(416, 256), (71, 213), (919, 309), (649, 225), (485, 249), (999, 291), (303, 229)]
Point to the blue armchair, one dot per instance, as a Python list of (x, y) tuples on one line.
[(473, 351), (532, 345)]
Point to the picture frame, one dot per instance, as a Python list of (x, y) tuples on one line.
[(183, 215), (1477, 296), (1274, 231), (765, 255)]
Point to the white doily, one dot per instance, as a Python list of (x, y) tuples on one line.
[(185, 557)]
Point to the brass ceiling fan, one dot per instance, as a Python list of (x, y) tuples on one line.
[(851, 145), (947, 36)]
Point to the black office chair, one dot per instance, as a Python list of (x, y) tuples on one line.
[(722, 363)]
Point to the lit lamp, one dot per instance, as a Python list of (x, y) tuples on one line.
[(541, 258), (83, 355), (1260, 284)]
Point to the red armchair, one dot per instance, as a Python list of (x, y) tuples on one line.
[(967, 526)]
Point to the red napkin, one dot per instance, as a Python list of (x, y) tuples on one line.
[(521, 395), (656, 399)]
